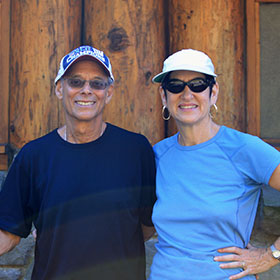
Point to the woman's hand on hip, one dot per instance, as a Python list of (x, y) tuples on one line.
[(252, 260)]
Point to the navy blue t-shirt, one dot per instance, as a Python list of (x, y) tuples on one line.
[(87, 201)]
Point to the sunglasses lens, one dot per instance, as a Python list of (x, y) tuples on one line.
[(198, 85), (79, 83), (97, 84), (175, 86), (195, 85), (75, 82)]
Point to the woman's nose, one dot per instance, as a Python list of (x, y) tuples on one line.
[(187, 93)]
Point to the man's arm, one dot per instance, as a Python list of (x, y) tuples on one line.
[(148, 232), (7, 241)]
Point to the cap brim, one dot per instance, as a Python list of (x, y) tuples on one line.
[(159, 77)]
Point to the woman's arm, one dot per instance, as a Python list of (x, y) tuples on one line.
[(274, 180)]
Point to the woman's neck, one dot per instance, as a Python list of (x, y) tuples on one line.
[(190, 135)]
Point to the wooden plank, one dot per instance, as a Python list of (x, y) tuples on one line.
[(217, 28), (4, 69), (132, 34), (268, 1), (41, 33), (253, 107), (3, 160), (3, 149), (257, 94), (273, 142), (4, 79)]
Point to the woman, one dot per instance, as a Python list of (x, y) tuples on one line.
[(208, 182)]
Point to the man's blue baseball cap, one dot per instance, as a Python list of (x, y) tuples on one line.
[(84, 51)]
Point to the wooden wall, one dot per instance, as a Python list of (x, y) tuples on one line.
[(137, 36), (217, 28), (4, 81), (132, 34), (41, 33)]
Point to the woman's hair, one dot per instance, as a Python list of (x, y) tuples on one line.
[(212, 81)]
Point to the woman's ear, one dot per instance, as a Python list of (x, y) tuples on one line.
[(58, 90), (163, 96), (215, 93)]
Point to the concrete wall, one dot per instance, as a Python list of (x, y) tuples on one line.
[(17, 264)]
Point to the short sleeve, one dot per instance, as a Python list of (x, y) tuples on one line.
[(15, 216), (257, 160)]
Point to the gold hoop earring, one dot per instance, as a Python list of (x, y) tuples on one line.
[(216, 108), (163, 113)]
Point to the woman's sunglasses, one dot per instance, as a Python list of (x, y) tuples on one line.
[(195, 85), (79, 83)]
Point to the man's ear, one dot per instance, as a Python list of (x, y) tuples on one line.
[(163, 96), (58, 90), (109, 94)]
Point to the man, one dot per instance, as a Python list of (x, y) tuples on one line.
[(88, 186)]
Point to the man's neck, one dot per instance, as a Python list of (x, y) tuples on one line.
[(82, 132)]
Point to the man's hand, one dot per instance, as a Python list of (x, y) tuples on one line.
[(148, 232), (7, 241), (252, 260)]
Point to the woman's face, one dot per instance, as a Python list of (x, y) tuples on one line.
[(188, 107)]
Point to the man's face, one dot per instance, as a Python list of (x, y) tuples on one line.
[(84, 103)]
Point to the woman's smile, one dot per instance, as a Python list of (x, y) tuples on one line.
[(187, 107)]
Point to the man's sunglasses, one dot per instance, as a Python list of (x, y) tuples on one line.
[(195, 85), (79, 83)]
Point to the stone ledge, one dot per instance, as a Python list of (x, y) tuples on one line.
[(10, 273)]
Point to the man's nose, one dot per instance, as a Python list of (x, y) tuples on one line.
[(87, 88)]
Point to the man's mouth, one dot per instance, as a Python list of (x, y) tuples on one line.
[(85, 103)]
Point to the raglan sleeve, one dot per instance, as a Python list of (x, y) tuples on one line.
[(15, 215), (257, 160), (148, 192)]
